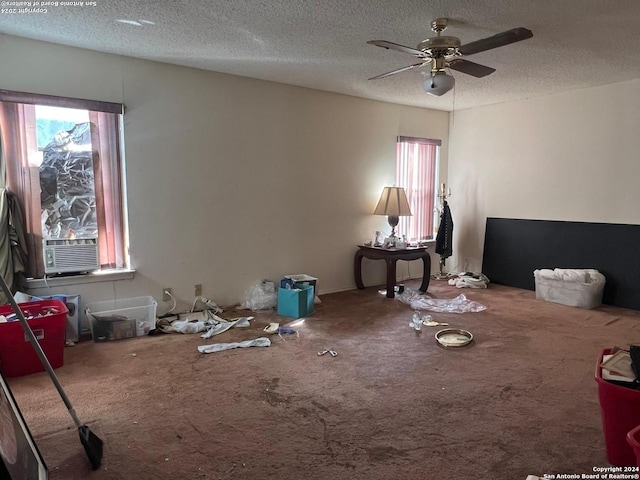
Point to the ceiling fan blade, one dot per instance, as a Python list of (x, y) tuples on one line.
[(471, 68), (395, 46), (498, 40), (404, 69)]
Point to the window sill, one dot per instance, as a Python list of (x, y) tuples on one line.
[(102, 276)]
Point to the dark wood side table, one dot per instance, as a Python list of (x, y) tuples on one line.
[(391, 256)]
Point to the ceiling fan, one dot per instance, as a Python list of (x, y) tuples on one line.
[(442, 52)]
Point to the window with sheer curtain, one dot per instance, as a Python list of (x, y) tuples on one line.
[(62, 158), (416, 171)]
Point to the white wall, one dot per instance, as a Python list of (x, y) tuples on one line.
[(571, 157), (231, 180)]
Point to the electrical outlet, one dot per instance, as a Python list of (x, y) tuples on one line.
[(166, 294), (198, 290)]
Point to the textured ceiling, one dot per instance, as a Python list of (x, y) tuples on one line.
[(321, 44)]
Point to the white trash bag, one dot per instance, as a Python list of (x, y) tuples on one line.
[(261, 296)]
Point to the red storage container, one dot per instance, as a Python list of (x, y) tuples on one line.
[(17, 355), (633, 437), (620, 410)]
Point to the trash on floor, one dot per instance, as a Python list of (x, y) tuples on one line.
[(287, 331), (261, 296), (420, 319), (333, 353), (460, 304), (399, 288), (275, 327), (205, 321), (416, 321), (470, 280), (186, 326), (271, 328), (224, 325), (435, 324), (219, 347)]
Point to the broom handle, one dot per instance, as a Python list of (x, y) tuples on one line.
[(38, 349)]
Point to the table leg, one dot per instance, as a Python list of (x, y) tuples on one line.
[(357, 270), (391, 277), (426, 272)]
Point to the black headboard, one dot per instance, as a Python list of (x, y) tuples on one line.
[(514, 248)]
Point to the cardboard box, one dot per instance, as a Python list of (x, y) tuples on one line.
[(295, 302), (123, 329), (17, 355)]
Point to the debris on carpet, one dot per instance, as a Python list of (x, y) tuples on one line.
[(219, 347), (419, 301)]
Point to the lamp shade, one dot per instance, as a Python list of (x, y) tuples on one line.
[(393, 201), (439, 83)]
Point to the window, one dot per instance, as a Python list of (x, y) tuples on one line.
[(62, 159), (416, 171)]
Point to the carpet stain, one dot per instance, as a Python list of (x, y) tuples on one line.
[(304, 412), (384, 454), (347, 465), (320, 406), (269, 394), (507, 393)]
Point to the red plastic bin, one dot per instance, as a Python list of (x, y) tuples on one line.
[(17, 355), (620, 410), (633, 438)]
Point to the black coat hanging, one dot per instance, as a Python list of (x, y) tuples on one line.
[(444, 238)]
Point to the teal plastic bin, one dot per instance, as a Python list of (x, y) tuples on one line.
[(296, 302)]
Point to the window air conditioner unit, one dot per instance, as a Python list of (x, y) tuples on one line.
[(71, 255)]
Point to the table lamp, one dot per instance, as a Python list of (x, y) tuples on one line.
[(393, 203)]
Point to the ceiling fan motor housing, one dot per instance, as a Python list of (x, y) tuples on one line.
[(442, 46)]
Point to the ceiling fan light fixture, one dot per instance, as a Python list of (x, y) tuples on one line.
[(443, 53), (439, 83)]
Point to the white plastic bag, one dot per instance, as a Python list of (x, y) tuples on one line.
[(460, 304), (185, 326), (261, 296)]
